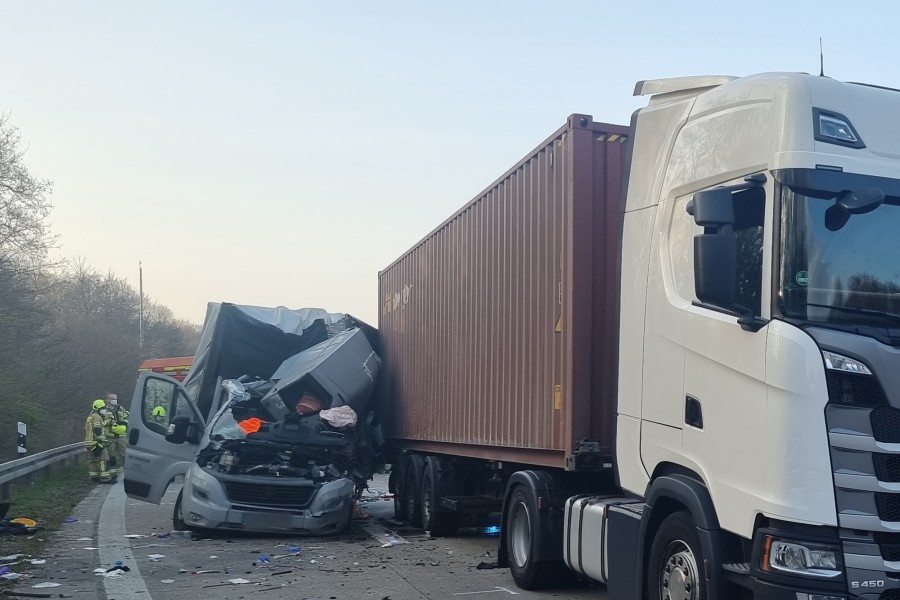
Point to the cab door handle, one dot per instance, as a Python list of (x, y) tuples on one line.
[(693, 412)]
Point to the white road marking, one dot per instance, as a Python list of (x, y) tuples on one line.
[(115, 546), (496, 589)]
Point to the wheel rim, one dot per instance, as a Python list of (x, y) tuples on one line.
[(679, 577), (520, 535)]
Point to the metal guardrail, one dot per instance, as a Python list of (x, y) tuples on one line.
[(42, 461)]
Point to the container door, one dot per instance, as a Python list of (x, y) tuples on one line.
[(165, 431)]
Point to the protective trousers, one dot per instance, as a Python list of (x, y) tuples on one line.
[(95, 442), (116, 453), (116, 422)]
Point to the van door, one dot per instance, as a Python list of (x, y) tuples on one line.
[(165, 432)]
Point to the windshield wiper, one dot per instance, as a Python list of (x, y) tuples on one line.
[(859, 311)]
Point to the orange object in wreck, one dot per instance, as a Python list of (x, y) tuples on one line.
[(250, 425)]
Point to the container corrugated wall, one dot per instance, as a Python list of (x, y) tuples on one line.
[(498, 330)]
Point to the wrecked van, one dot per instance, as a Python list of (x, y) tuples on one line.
[(282, 440)]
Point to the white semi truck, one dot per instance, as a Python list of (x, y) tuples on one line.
[(668, 353)]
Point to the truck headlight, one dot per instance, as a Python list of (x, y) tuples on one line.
[(801, 558)]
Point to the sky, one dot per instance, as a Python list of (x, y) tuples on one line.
[(283, 153)]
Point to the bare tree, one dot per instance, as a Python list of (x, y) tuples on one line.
[(24, 236)]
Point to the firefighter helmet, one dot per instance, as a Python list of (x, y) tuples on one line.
[(98, 404), (159, 411)]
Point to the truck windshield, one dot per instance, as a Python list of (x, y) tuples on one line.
[(850, 276)]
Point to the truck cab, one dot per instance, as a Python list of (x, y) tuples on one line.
[(759, 353)]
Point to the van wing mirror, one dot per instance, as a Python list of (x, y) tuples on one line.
[(182, 430)]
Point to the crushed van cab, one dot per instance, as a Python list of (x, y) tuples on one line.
[(291, 441)]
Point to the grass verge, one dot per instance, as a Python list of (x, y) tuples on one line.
[(48, 501)]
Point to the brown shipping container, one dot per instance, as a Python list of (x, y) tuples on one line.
[(498, 330)]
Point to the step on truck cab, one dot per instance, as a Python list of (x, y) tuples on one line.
[(740, 438)]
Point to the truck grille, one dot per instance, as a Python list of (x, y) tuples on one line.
[(293, 497), (849, 389), (889, 544), (888, 506), (890, 595), (887, 467), (886, 424)]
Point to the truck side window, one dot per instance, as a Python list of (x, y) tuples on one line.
[(749, 213)]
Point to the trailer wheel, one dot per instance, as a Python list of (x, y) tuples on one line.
[(396, 485), (521, 542), (438, 522), (411, 495), (675, 559)]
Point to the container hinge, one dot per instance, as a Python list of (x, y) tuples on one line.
[(587, 457)]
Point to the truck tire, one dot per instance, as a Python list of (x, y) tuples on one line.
[(411, 495), (438, 522), (673, 572), (397, 486), (522, 523)]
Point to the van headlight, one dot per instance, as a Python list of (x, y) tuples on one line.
[(801, 558)]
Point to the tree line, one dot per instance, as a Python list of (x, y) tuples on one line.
[(68, 333)]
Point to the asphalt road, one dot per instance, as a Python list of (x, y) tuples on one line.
[(372, 560)]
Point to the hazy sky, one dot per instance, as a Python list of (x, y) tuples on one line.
[(282, 153)]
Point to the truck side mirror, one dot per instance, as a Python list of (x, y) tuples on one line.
[(712, 208), (715, 250), (715, 264)]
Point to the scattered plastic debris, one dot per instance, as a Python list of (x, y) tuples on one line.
[(294, 549), (118, 568), (69, 520), (155, 557), (486, 565), (168, 581), (4, 570), (238, 580), (163, 535), (37, 561), (134, 536), (46, 584), (388, 540), (12, 557), (10, 575)]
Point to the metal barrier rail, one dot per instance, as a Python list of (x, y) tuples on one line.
[(42, 461)]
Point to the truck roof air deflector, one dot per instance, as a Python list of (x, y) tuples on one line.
[(679, 84)]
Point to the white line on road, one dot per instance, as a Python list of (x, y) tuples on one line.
[(496, 589), (115, 546)]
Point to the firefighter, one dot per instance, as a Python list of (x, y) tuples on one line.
[(96, 442), (117, 426)]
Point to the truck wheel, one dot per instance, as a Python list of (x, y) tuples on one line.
[(411, 496), (437, 522), (675, 559), (522, 522), (397, 486)]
